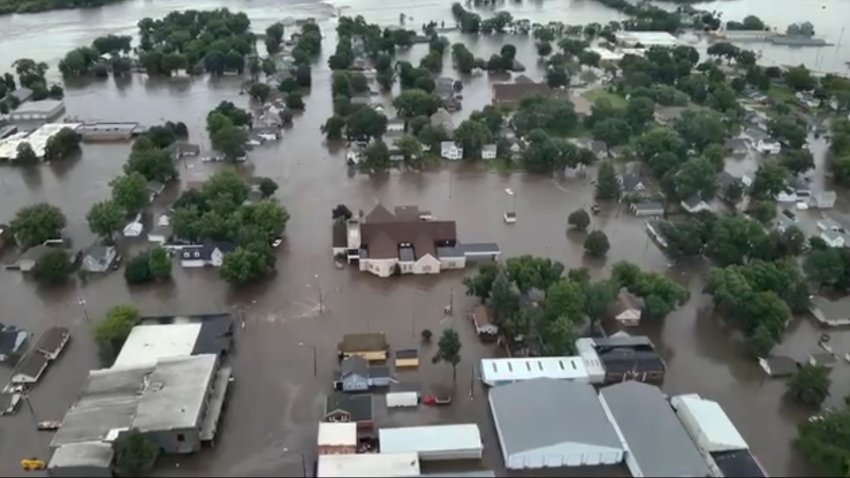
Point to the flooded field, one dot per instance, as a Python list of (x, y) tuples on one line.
[(276, 401)]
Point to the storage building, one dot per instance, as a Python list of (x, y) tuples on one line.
[(434, 442), (553, 423), (86, 459), (655, 442), (368, 464), (402, 399), (707, 424), (337, 438), (501, 371)]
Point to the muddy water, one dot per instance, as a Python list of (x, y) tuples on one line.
[(276, 400)]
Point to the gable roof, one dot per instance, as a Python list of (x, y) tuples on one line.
[(358, 407), (11, 339), (362, 343), (627, 301), (631, 182), (354, 365), (543, 412), (379, 214), (381, 239), (206, 250), (654, 436)]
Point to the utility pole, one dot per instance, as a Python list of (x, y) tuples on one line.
[(82, 303), (452, 301), (412, 325), (26, 398), (321, 301), (471, 381)]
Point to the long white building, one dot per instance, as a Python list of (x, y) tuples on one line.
[(508, 370)]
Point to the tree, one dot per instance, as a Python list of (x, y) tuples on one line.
[(797, 161), (800, 78), (260, 92), (482, 283), (135, 454), (560, 336), (138, 270), (303, 76), (472, 136), (607, 186), (572, 47), (463, 58), (701, 128), (274, 36), (365, 124), (825, 442), (579, 219), (763, 211), (267, 187), (153, 163), (613, 131), (504, 301), (788, 130), (60, 145), (295, 101), (589, 58), (544, 48), (596, 244), (449, 350), (411, 149), (25, 153), (230, 140), (733, 238), (696, 177), (243, 265), (159, 263), (333, 128), (810, 385), (53, 267), (824, 267), (376, 158), (431, 135), (639, 112), (115, 327), (130, 193), (769, 181), (37, 223), (416, 102), (105, 218), (557, 77)]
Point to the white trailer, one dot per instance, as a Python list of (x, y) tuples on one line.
[(402, 399)]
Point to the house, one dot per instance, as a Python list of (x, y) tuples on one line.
[(99, 257), (617, 359), (484, 325), (833, 238), (442, 118), (647, 208), (695, 204), (762, 141), (627, 309), (666, 115), (355, 375), (796, 190), (185, 150), (372, 347), (434, 442), (500, 371), (395, 125), (512, 93), (444, 88), (209, 254), (831, 312), (52, 342), (407, 358), (134, 228), (545, 423), (175, 402), (778, 366), (737, 146), (30, 369), (823, 200), (391, 140), (344, 407), (12, 340), (336, 438), (450, 150), (639, 410), (807, 100), (488, 151), (726, 184), (783, 222), (822, 359), (631, 184), (161, 232), (368, 464)]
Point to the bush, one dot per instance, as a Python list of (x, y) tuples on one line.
[(53, 267), (114, 328), (579, 219), (596, 244), (138, 269)]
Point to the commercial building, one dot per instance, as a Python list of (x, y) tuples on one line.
[(368, 464), (545, 423), (646, 39), (37, 140), (175, 336), (176, 402), (655, 442), (94, 132), (618, 358), (44, 110), (434, 442), (87, 459), (337, 438), (509, 370)]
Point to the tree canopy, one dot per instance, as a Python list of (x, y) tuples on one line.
[(115, 327), (35, 224)]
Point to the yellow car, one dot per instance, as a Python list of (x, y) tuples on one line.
[(32, 464)]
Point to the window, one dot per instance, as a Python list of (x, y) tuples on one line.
[(181, 438), (426, 268)]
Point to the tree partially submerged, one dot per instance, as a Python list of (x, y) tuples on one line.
[(135, 454)]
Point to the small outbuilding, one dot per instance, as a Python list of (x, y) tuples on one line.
[(372, 347), (628, 309), (484, 326), (89, 459), (337, 438), (407, 358), (434, 442)]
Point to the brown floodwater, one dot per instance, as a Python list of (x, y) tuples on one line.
[(276, 401)]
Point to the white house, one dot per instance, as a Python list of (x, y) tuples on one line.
[(205, 255), (695, 204), (99, 257), (451, 151), (395, 125), (833, 238), (628, 309), (488, 151), (354, 154), (161, 231), (763, 142), (134, 228)]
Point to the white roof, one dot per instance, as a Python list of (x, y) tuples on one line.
[(607, 55), (433, 438), (647, 38), (513, 369), (369, 464), (337, 434), (148, 343), (37, 139), (587, 352), (713, 428)]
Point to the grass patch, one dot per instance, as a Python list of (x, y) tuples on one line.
[(781, 93), (616, 100)]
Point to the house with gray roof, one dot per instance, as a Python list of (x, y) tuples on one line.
[(552, 423), (831, 312), (656, 443)]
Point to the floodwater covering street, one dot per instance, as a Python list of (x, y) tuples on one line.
[(275, 401)]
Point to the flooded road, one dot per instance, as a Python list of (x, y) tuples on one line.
[(276, 401)]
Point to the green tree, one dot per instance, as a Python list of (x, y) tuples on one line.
[(481, 284), (449, 350), (769, 181), (274, 35), (134, 454), (529, 272), (734, 238), (810, 385), (159, 263), (797, 161), (411, 149), (137, 270), (267, 187), (463, 58), (152, 163), (579, 219), (763, 211), (365, 124), (105, 218), (788, 130), (431, 136), (504, 301), (696, 177), (115, 327), (53, 267), (825, 442), (260, 92), (35, 224), (295, 101), (639, 112), (376, 159), (824, 267), (243, 265), (800, 78), (613, 131), (596, 244), (130, 193), (560, 336), (62, 144), (607, 186), (25, 154), (334, 127), (230, 140), (416, 102), (472, 136), (700, 128)]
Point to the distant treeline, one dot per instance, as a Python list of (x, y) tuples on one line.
[(31, 6)]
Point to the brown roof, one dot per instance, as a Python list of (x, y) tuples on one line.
[(481, 315), (362, 343), (626, 301), (53, 340), (382, 239), (379, 214), (513, 92)]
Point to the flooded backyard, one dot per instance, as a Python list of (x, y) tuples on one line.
[(275, 401)]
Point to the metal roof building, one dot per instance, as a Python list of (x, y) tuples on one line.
[(707, 424), (148, 343), (368, 464), (501, 371), (655, 441), (434, 442), (553, 423), (91, 459)]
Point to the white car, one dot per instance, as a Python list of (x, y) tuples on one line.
[(277, 241)]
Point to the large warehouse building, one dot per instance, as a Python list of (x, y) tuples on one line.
[(553, 423)]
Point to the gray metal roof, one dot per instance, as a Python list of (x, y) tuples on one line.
[(89, 454), (540, 413), (656, 439)]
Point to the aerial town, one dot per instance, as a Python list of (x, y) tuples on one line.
[(485, 238)]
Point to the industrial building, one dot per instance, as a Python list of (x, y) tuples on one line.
[(434, 442), (501, 371), (545, 423), (43, 110), (656, 443), (368, 464), (37, 140), (93, 132)]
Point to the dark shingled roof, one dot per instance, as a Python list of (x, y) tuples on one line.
[(362, 343), (406, 353), (53, 340), (354, 366), (359, 407), (32, 366), (738, 463), (382, 239)]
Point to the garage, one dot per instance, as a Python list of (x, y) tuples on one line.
[(546, 423)]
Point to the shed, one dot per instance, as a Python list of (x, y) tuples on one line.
[(30, 369), (407, 358), (707, 424), (628, 309), (368, 464), (434, 442), (372, 347), (553, 423), (90, 459), (484, 326), (508, 370), (655, 441), (778, 366), (337, 438)]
